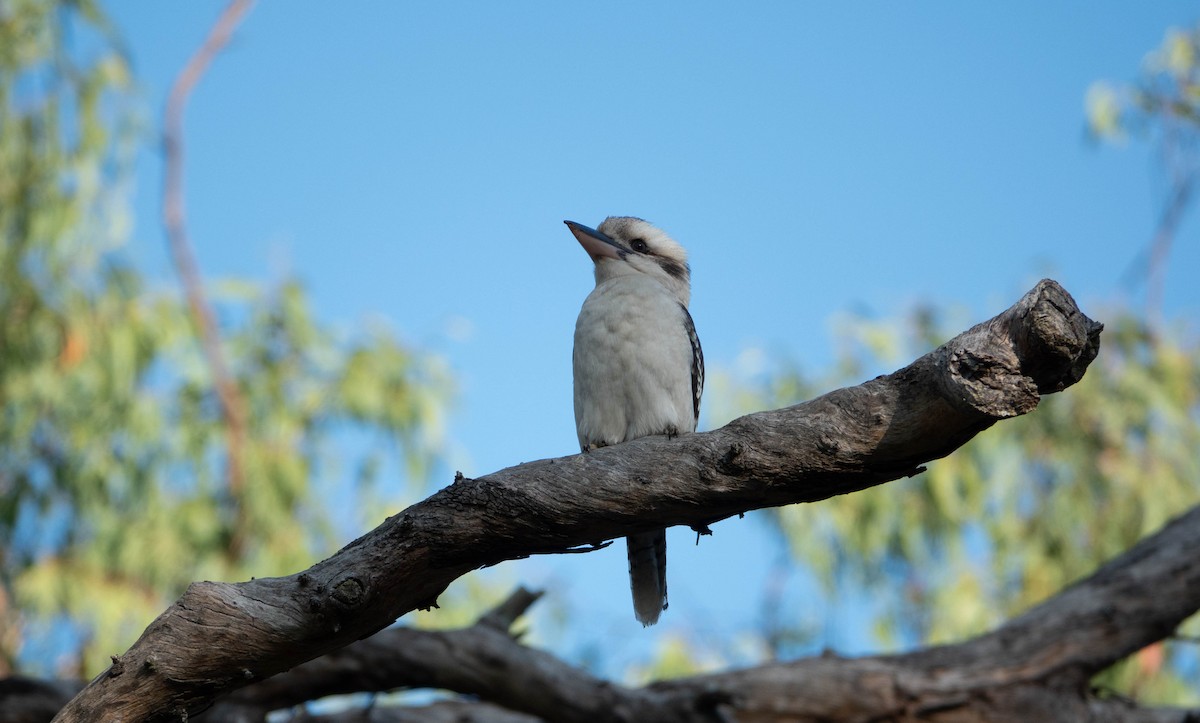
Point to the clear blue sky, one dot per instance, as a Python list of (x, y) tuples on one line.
[(414, 162)]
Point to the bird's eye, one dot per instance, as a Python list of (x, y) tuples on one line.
[(639, 245)]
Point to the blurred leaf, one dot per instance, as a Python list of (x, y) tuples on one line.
[(113, 488), (1023, 509)]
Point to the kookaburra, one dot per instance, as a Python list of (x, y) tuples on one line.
[(638, 365)]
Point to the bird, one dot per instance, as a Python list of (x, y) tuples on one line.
[(638, 366)]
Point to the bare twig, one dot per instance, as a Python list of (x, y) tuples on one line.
[(1178, 121), (233, 406), (512, 607), (1160, 246)]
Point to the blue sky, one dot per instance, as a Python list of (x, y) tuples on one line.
[(414, 163)]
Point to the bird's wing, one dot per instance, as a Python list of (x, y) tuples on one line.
[(697, 362)]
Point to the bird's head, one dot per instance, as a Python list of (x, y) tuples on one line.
[(624, 245)]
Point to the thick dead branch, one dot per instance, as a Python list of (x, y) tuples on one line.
[(1035, 667), (467, 660), (484, 660), (222, 636)]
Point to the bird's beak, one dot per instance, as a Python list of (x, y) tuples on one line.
[(598, 245)]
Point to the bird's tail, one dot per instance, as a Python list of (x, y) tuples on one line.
[(648, 574)]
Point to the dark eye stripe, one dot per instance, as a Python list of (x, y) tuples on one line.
[(679, 271)]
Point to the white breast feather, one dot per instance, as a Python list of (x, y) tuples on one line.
[(632, 363)]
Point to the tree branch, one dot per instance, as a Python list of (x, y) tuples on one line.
[(221, 636), (1034, 667), (233, 407), (463, 660)]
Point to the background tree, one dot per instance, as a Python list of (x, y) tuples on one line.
[(1033, 505), (115, 487), (1016, 514)]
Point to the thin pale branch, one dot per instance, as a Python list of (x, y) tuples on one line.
[(1164, 236), (233, 406)]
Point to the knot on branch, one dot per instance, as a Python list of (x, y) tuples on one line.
[(992, 384), (349, 592), (730, 461)]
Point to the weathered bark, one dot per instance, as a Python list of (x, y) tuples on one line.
[(483, 660), (471, 660), (221, 636), (1036, 667)]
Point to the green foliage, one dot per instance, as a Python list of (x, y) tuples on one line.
[(114, 492), (1037, 502), (1166, 95), (1021, 511)]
